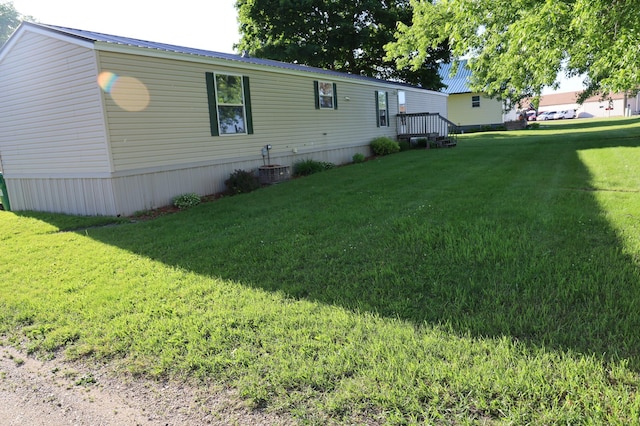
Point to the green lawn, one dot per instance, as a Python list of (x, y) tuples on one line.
[(498, 281)]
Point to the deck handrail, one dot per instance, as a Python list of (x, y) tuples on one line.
[(426, 124)]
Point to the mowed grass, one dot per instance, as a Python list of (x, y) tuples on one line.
[(497, 282)]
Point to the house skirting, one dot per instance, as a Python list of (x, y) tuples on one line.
[(126, 193)]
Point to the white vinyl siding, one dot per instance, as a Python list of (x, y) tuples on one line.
[(174, 131), (52, 121), (420, 101)]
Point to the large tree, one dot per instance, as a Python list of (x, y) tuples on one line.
[(518, 47), (343, 35), (9, 20)]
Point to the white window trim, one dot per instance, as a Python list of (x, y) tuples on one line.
[(243, 105)]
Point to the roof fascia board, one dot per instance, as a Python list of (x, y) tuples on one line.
[(50, 32), (10, 43), (163, 54)]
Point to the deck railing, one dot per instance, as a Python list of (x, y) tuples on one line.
[(429, 125)]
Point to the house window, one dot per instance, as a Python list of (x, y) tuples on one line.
[(475, 101), (326, 96), (382, 109), (229, 104), (230, 100), (402, 102)]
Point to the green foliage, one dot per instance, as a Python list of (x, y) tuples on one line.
[(242, 181), (347, 36), (518, 47), (404, 145), (309, 166), (10, 19), (384, 146), (185, 201), (358, 158)]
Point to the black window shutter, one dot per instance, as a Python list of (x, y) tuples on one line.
[(247, 104), (386, 102), (377, 110), (335, 96), (316, 93), (213, 108)]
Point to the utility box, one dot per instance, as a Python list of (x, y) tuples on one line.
[(273, 174)]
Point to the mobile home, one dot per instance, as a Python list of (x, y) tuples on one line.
[(96, 124)]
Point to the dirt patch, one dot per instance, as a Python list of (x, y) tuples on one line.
[(46, 392)]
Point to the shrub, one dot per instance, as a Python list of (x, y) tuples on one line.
[(309, 167), (185, 201), (241, 181), (384, 145), (404, 145), (328, 165), (358, 158)]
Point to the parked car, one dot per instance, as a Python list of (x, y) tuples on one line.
[(531, 115), (547, 115), (558, 115), (570, 113)]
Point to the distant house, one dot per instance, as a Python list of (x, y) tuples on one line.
[(614, 105), (466, 108), (96, 124)]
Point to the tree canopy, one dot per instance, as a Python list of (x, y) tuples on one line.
[(10, 19), (346, 35), (518, 47)]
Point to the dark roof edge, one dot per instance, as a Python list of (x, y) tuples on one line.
[(94, 37)]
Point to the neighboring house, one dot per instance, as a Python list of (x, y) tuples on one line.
[(614, 105), (468, 109), (94, 124)]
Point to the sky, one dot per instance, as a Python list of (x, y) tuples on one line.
[(202, 24)]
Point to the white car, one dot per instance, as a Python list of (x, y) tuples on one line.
[(570, 113), (547, 115)]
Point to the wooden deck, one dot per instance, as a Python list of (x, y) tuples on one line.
[(434, 128)]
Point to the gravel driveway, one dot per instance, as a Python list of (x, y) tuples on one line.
[(34, 392)]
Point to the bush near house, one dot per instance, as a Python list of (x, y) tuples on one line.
[(358, 158), (242, 181), (308, 167), (384, 146), (185, 201)]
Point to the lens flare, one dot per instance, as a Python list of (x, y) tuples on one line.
[(128, 93), (106, 80)]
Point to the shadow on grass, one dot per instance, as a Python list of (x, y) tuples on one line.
[(489, 242)]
